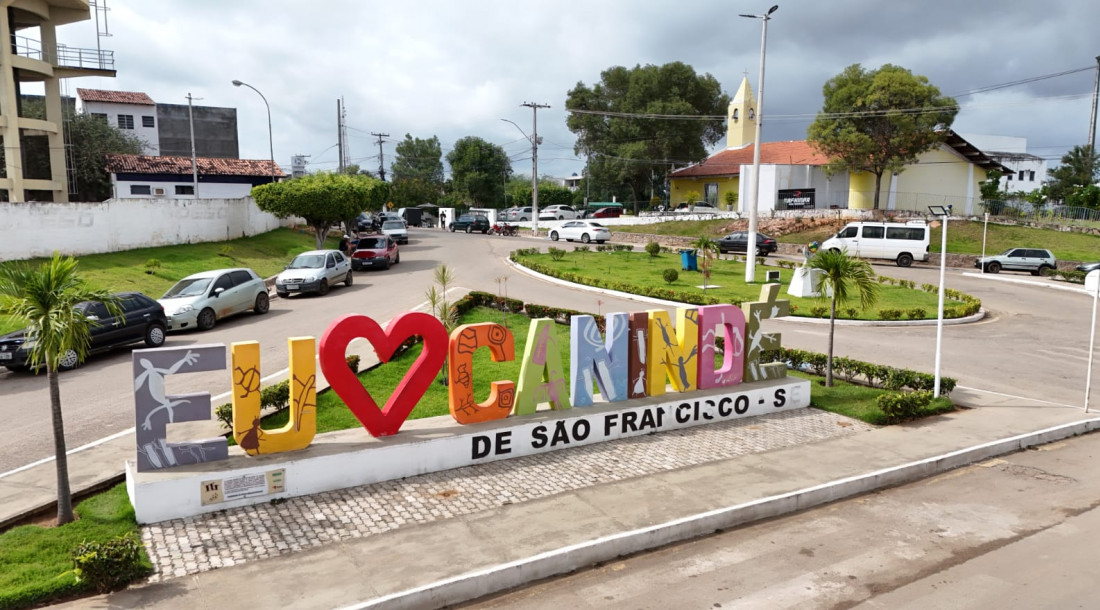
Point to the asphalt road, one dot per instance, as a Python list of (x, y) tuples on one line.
[(1013, 532), (1034, 343)]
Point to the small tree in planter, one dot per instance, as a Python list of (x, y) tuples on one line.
[(441, 306), (707, 248)]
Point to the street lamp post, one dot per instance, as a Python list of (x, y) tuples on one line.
[(750, 248), (1092, 285), (534, 171), (270, 140), (943, 212)]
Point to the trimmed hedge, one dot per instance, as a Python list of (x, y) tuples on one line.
[(858, 371)]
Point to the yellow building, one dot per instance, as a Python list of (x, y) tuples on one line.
[(33, 56), (793, 176)]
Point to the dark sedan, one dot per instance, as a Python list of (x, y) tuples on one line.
[(142, 319), (471, 223), (1086, 267), (738, 241)]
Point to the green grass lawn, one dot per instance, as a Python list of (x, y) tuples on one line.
[(857, 401), (727, 281), (266, 254), (37, 562)]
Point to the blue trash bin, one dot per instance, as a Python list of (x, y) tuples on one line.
[(688, 260)]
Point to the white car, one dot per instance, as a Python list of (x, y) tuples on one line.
[(201, 299), (314, 271), (583, 230), (557, 212), (396, 230)]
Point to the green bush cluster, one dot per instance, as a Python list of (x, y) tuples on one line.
[(653, 249), (582, 248), (889, 314), (1069, 275), (903, 406), (858, 371), (916, 313), (786, 264), (819, 311), (851, 312), (556, 254), (108, 566), (610, 284), (614, 248), (670, 276)]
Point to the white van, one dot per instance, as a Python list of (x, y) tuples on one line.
[(901, 243)]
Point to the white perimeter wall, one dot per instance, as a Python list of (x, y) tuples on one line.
[(29, 230)]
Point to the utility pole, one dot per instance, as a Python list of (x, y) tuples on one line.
[(1095, 96), (340, 133), (535, 163), (381, 163), (194, 162)]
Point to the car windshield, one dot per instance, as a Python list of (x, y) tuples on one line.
[(190, 287), (372, 243), (307, 261), (393, 224)]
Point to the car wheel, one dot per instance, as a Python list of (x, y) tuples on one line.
[(1044, 268), (834, 250), (554, 236), (348, 280), (322, 288), (721, 251), (993, 267), (386, 265), (561, 217), (261, 304), (207, 319), (469, 229), (600, 241), (524, 219), (585, 238), (68, 361), (154, 335), (761, 252), (452, 228), (904, 260), (484, 231), (397, 259)]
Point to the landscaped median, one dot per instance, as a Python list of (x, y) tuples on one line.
[(658, 274)]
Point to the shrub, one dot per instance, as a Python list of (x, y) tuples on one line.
[(152, 265), (851, 312), (276, 396), (670, 275), (902, 406), (224, 414), (653, 249), (108, 566), (929, 288), (819, 311), (556, 254), (585, 248), (889, 314), (915, 313), (353, 363)]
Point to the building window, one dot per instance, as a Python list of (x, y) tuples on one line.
[(140, 189), (185, 189), (100, 115), (125, 121), (1009, 176), (1022, 172), (710, 193), (1030, 176), (752, 114), (147, 121), (734, 117)]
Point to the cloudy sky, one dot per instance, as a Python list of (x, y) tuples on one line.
[(454, 69)]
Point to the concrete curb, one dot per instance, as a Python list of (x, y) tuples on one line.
[(1080, 289), (566, 559), (797, 319)]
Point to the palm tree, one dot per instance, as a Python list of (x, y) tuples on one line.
[(841, 274), (45, 300), (441, 307)]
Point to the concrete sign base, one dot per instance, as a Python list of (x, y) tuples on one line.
[(349, 458)]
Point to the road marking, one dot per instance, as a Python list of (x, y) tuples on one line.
[(1057, 404), (213, 399)]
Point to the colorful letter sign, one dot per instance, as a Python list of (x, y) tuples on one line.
[(299, 431), (465, 340)]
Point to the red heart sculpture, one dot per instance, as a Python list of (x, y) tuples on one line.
[(333, 353)]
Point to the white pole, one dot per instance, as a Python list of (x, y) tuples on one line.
[(750, 248), (985, 228), (939, 321), (1092, 336)]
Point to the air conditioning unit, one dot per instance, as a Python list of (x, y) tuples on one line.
[(158, 192), (773, 276)]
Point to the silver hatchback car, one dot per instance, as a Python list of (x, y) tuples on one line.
[(1035, 260), (201, 299)]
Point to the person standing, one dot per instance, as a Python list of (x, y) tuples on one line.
[(443, 220), (345, 244)]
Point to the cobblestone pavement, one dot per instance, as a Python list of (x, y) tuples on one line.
[(184, 546)]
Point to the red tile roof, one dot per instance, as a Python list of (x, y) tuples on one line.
[(729, 162), (140, 164), (116, 97)]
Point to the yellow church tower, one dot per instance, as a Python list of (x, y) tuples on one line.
[(741, 117)]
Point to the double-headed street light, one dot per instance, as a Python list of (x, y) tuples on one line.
[(942, 212), (750, 248), (270, 140)]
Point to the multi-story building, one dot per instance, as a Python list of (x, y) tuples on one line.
[(31, 55), (1027, 172), (128, 111)]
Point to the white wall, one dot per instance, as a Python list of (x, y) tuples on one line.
[(149, 134), (29, 230), (207, 190)]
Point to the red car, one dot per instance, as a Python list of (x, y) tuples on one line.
[(608, 212), (375, 251)]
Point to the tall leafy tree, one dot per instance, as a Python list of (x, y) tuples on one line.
[(1080, 167), (634, 152), (45, 299), (477, 168), (841, 276), (879, 121), (322, 199), (417, 171)]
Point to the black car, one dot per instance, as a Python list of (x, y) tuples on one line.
[(471, 223), (142, 319), (738, 241), (1086, 267)]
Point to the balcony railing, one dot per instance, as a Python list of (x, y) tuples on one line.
[(65, 56)]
